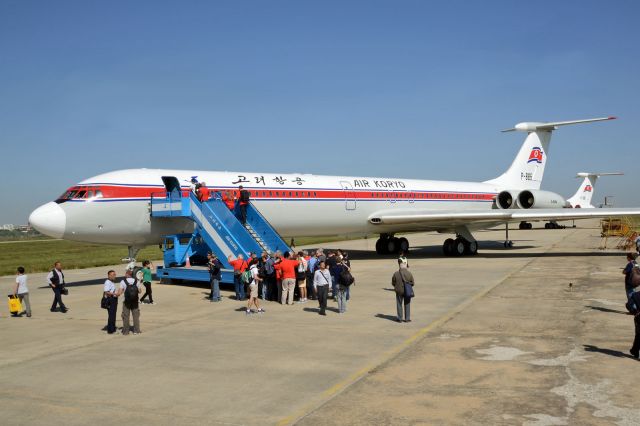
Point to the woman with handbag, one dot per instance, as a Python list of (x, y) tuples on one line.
[(55, 279), (402, 282)]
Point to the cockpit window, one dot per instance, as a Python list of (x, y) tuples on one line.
[(81, 194)]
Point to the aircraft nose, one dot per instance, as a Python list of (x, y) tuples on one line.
[(49, 219)]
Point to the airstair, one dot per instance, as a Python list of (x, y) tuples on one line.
[(217, 229)]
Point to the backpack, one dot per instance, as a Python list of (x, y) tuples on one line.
[(635, 276), (247, 277), (346, 279), (131, 294)]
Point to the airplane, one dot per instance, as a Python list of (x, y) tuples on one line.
[(114, 208), (584, 194), (581, 199)]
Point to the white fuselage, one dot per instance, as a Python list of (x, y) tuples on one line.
[(295, 204)]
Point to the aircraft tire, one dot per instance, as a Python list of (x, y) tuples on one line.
[(447, 247), (391, 245), (547, 225), (380, 246), (459, 246), (470, 248), (403, 244), (529, 225)]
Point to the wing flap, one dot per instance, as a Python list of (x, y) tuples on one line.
[(456, 217)]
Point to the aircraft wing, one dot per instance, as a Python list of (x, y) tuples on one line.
[(449, 218)]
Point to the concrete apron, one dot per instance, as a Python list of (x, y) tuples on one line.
[(198, 362)]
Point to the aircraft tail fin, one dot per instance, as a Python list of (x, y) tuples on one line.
[(527, 169), (584, 194)]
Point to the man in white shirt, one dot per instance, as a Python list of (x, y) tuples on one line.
[(129, 286), (22, 292), (321, 281), (111, 295), (57, 284), (253, 288)]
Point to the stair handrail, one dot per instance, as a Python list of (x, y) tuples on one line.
[(268, 223)]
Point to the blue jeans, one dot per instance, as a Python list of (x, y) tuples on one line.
[(239, 287), (629, 292), (334, 287), (215, 289), (342, 299)]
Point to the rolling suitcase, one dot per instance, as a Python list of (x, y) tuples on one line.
[(15, 307)]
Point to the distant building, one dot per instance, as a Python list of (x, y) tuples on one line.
[(8, 227)]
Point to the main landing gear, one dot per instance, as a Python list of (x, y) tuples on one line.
[(388, 244), (459, 247), (525, 225)]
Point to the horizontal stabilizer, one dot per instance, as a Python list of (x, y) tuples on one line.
[(529, 126), (587, 174)]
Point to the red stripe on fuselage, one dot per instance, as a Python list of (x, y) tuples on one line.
[(120, 192)]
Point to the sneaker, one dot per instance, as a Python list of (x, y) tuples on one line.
[(248, 311), (261, 311), (134, 333)]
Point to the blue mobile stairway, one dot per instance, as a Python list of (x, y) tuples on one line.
[(217, 230)]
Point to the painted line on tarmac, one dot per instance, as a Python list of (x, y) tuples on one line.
[(328, 394)]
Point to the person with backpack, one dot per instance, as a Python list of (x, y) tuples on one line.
[(244, 202), (321, 282), (131, 290), (344, 280), (239, 266), (400, 280), (253, 287), (57, 284), (215, 275)]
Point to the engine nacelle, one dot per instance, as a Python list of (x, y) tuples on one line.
[(536, 199), (506, 200)]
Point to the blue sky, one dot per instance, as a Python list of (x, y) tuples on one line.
[(413, 89)]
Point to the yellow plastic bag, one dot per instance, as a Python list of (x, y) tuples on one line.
[(15, 307)]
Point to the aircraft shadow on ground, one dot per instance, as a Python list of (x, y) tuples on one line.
[(608, 310), (605, 351), (484, 252)]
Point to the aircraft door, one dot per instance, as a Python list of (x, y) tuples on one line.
[(172, 185), (349, 195)]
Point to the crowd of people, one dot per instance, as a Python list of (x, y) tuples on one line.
[(285, 278)]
